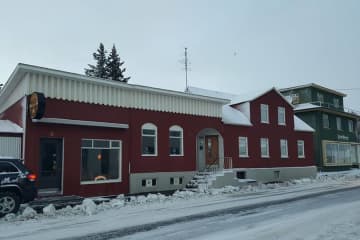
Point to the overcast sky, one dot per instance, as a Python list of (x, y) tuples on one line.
[(233, 46)]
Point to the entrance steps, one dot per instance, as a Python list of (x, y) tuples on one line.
[(210, 179)]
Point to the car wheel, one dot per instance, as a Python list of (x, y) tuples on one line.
[(9, 203)]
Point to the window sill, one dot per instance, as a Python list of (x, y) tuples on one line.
[(149, 155), (284, 157), (243, 156), (100, 182), (282, 124), (265, 156), (176, 155), (301, 157), (265, 122)]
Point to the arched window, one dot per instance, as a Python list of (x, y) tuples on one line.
[(176, 141), (149, 139)]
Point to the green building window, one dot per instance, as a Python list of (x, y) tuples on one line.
[(326, 121), (351, 126), (338, 124), (337, 154)]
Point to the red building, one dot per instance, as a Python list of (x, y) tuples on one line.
[(88, 136)]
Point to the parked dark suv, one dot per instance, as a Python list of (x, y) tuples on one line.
[(17, 185)]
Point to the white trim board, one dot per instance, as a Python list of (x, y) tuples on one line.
[(65, 121)]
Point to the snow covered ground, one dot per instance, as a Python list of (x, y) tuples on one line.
[(89, 218)]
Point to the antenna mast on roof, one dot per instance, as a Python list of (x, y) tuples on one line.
[(186, 71)]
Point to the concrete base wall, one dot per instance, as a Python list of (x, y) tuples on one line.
[(263, 175), (162, 181)]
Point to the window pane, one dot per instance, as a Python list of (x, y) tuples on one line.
[(148, 145), (148, 132), (7, 168), (100, 164), (325, 121), (301, 149), (264, 147), (283, 148), (351, 126), (175, 146), (331, 152), (115, 144), (101, 144), (86, 143), (175, 133), (264, 113), (281, 115), (243, 146)]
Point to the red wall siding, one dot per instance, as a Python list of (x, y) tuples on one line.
[(131, 140), (273, 132), (14, 113)]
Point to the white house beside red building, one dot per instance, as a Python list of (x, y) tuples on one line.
[(91, 137)]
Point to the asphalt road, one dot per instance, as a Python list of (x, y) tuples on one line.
[(331, 216)]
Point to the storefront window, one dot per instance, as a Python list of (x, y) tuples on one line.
[(100, 160), (339, 154)]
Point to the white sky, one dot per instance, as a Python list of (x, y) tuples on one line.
[(234, 46)]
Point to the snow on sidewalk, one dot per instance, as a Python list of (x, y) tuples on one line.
[(90, 218)]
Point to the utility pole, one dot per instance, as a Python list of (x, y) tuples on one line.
[(186, 71)]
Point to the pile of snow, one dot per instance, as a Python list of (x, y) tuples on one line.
[(88, 206)]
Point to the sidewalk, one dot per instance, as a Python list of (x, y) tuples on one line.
[(143, 213)]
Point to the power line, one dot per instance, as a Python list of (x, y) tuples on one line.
[(348, 89)]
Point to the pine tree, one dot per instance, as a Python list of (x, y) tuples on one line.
[(113, 67), (99, 70)]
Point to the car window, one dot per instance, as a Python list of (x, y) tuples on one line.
[(7, 168)]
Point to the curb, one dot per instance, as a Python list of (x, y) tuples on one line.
[(150, 226)]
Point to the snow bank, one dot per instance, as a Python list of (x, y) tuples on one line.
[(88, 206)]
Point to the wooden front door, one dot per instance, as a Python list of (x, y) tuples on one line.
[(211, 150)]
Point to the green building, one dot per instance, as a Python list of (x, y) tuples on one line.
[(336, 142)]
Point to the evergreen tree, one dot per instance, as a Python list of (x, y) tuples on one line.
[(99, 70), (113, 67)]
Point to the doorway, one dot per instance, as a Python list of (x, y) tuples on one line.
[(211, 150), (50, 174)]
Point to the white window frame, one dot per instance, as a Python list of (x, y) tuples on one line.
[(110, 147), (149, 126), (264, 142), (281, 116), (301, 143), (325, 118), (338, 123), (351, 125), (264, 113), (284, 146), (177, 129), (245, 140)]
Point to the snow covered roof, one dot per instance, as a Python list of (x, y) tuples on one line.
[(7, 126), (314, 86), (235, 98), (211, 93), (300, 125), (233, 116), (305, 106)]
